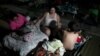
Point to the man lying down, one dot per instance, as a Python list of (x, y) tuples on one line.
[(26, 42)]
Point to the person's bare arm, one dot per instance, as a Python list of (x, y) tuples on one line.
[(58, 21), (41, 18)]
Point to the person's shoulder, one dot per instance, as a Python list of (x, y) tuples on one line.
[(57, 15)]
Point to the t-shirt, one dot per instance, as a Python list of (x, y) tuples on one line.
[(49, 19)]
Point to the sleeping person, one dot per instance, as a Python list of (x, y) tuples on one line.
[(28, 40)]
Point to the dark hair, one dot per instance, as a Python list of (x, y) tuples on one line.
[(53, 25), (19, 32), (55, 32), (52, 7), (53, 29), (74, 26)]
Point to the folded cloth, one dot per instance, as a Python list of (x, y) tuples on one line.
[(54, 46), (19, 22)]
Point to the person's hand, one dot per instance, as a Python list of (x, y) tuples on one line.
[(41, 52), (57, 52), (50, 53)]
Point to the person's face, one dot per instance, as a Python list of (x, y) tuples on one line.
[(69, 40), (52, 10)]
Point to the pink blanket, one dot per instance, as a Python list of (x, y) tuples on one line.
[(17, 23)]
